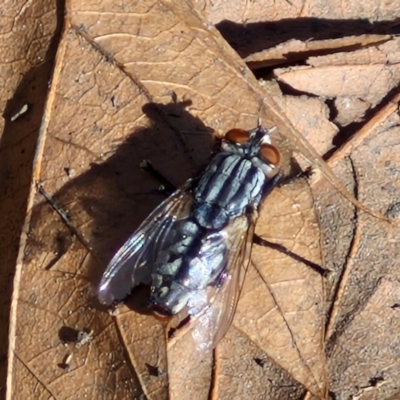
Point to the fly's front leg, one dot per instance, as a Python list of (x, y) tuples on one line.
[(296, 173)]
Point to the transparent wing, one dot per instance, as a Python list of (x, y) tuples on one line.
[(224, 306), (209, 326), (133, 262)]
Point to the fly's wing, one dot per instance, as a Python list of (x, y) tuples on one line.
[(209, 326), (133, 262), (223, 308)]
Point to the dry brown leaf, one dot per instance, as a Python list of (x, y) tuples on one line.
[(93, 105), (25, 68), (358, 81), (368, 250), (289, 325), (245, 12), (253, 27), (112, 62), (295, 50), (365, 335), (310, 115)]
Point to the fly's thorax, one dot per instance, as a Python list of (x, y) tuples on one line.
[(237, 177), (226, 192)]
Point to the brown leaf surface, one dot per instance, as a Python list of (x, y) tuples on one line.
[(108, 108), (357, 81), (243, 11), (291, 292), (27, 54), (253, 27), (369, 257), (294, 50), (84, 126)]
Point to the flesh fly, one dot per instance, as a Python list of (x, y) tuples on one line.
[(194, 248)]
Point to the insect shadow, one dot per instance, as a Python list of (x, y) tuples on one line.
[(102, 207)]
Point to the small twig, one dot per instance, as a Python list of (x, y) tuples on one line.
[(307, 396), (355, 141), (213, 394), (344, 278), (64, 216)]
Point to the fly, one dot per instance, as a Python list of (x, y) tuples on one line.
[(194, 248)]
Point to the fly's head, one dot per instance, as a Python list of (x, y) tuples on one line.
[(254, 145)]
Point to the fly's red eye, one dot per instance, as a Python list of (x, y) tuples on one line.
[(237, 136), (270, 154)]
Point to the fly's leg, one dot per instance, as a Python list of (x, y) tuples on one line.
[(295, 172), (282, 249), (306, 174), (166, 187)]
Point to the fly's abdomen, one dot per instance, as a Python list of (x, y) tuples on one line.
[(193, 259)]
